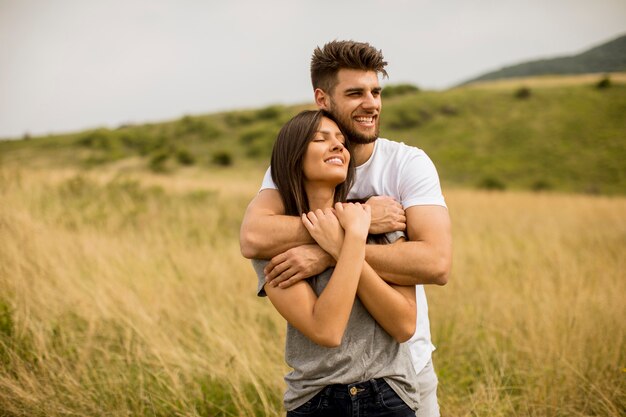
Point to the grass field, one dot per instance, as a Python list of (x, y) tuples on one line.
[(126, 295), (558, 133)]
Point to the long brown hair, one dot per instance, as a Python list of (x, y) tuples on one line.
[(287, 161)]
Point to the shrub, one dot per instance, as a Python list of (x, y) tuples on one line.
[(158, 161), (184, 157), (236, 119), (141, 141), (269, 113), (449, 110), (491, 183), (98, 139), (605, 82), (399, 90), (258, 140), (522, 93), (196, 126), (540, 185), (406, 118), (222, 158)]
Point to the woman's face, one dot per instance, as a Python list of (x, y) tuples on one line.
[(326, 158)]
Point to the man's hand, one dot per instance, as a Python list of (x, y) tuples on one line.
[(387, 215), (297, 264)]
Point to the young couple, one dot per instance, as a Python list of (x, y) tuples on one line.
[(350, 305)]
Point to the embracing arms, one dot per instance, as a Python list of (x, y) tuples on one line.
[(426, 259), (324, 319)]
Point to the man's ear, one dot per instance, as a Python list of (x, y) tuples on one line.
[(322, 100)]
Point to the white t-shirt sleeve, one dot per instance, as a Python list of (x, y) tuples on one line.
[(418, 181), (267, 181)]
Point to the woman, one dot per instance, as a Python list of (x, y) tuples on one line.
[(346, 324)]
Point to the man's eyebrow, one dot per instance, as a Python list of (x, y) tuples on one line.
[(361, 89)]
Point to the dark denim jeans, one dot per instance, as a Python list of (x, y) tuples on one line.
[(373, 398)]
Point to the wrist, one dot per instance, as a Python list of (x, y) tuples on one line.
[(330, 259), (356, 235)]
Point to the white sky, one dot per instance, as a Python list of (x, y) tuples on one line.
[(67, 65)]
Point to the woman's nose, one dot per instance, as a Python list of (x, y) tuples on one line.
[(337, 146)]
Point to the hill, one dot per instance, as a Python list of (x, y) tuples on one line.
[(605, 58), (564, 137)]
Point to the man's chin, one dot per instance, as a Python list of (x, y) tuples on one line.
[(363, 139)]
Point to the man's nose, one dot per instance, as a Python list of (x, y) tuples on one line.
[(370, 101)]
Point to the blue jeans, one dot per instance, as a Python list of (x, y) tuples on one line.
[(373, 398)]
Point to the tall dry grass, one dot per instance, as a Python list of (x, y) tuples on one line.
[(128, 296)]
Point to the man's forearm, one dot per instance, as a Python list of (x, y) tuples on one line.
[(265, 236), (409, 263)]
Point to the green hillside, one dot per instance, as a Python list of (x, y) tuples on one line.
[(564, 138), (605, 58)]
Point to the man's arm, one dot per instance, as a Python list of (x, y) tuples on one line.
[(426, 258), (266, 231)]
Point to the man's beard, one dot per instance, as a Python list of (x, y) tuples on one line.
[(356, 137)]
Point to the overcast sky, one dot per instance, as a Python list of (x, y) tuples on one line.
[(67, 65)]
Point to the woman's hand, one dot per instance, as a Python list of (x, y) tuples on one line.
[(355, 218), (325, 228)]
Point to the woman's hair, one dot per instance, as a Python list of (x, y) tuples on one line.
[(287, 161)]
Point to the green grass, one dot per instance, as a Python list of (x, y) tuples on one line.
[(565, 138), (568, 138)]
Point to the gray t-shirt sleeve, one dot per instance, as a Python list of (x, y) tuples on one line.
[(259, 265)]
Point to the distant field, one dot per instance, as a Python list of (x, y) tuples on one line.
[(545, 133), (124, 293), (548, 81)]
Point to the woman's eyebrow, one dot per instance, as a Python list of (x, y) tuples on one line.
[(327, 132)]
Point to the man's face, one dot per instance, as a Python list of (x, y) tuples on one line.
[(355, 103)]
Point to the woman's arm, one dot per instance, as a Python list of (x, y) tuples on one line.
[(324, 319), (392, 306)]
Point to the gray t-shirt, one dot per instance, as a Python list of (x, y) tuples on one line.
[(366, 352)]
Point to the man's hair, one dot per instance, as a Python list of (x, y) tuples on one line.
[(287, 161), (328, 60)]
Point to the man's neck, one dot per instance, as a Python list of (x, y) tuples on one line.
[(362, 153)]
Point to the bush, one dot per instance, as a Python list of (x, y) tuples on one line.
[(399, 90), (522, 93), (269, 113), (196, 126), (98, 139), (491, 183), (540, 185), (141, 141), (184, 157), (222, 158), (449, 110), (236, 119), (605, 82), (158, 161), (406, 118)]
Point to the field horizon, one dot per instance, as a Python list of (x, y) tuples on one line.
[(557, 133)]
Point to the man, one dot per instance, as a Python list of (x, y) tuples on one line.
[(408, 197)]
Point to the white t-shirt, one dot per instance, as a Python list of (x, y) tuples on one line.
[(407, 174)]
